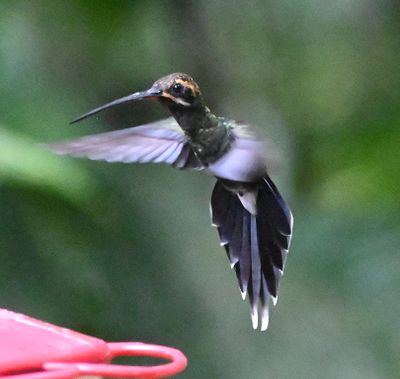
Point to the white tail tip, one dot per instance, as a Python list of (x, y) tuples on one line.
[(254, 317)]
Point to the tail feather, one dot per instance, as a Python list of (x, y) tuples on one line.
[(235, 245), (276, 220), (220, 204), (280, 211), (267, 269), (228, 223), (245, 261), (255, 260), (264, 297), (256, 244)]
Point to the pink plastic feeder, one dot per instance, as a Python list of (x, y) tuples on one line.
[(33, 349)]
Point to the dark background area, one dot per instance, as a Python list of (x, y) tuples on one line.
[(126, 252)]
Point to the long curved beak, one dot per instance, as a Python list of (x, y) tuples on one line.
[(134, 96)]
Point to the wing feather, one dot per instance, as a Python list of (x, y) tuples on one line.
[(157, 142)]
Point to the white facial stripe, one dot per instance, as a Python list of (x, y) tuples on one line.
[(177, 100), (180, 101)]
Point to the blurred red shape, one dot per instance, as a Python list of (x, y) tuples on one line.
[(33, 349)]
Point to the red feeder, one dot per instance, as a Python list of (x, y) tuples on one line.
[(33, 349)]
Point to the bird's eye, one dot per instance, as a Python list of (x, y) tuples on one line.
[(177, 89)]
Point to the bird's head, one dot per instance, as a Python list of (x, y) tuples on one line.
[(177, 89), (174, 90)]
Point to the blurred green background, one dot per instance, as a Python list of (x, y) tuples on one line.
[(126, 252)]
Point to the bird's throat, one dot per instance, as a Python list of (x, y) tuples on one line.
[(209, 135)]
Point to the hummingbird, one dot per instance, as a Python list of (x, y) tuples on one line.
[(254, 222)]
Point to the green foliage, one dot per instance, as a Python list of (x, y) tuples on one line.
[(127, 253), (24, 164)]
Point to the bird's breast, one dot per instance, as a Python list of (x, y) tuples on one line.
[(245, 161)]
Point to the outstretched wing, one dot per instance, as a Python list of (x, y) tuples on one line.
[(158, 142)]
